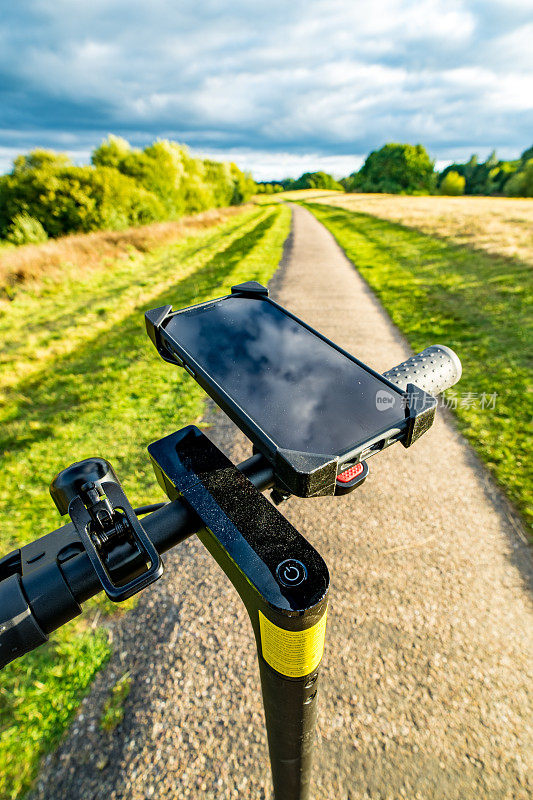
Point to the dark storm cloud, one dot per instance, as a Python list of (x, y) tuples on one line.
[(326, 78)]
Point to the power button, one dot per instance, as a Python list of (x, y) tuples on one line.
[(291, 572)]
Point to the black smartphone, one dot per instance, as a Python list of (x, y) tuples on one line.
[(300, 398)]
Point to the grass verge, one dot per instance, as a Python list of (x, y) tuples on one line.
[(80, 378), (477, 303), (87, 250)]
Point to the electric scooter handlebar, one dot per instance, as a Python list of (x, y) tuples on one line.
[(281, 578), (29, 612)]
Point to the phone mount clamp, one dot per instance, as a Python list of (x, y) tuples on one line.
[(91, 494)]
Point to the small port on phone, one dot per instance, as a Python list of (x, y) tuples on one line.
[(369, 451)]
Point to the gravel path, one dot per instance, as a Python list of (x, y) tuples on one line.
[(425, 690)]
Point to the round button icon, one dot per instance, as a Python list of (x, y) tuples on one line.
[(291, 572)]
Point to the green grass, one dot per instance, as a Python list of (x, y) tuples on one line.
[(80, 378), (113, 711), (39, 696), (480, 305)]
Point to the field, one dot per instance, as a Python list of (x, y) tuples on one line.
[(80, 377), (502, 226), (298, 194), (457, 271)]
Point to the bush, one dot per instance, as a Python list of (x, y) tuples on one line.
[(160, 168), (220, 178), (124, 187), (184, 184), (352, 183), (453, 184), (117, 202), (243, 186), (26, 230), (264, 187), (77, 199)]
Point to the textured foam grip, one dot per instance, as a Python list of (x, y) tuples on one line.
[(434, 369)]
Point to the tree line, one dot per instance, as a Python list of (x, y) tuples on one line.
[(408, 169), (46, 195)]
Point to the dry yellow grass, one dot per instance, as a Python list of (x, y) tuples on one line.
[(89, 250), (499, 225), (314, 195)]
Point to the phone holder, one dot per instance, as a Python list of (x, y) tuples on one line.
[(297, 471), (281, 579)]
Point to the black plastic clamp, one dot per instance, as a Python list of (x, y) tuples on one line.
[(82, 521), (420, 408), (90, 492)]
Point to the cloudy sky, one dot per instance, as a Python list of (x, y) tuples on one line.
[(280, 87)]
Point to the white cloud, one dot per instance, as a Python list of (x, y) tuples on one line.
[(267, 166), (307, 79), (515, 48)]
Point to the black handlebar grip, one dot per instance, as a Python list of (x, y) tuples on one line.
[(433, 370), (19, 630)]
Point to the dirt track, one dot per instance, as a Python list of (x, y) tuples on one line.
[(425, 688)]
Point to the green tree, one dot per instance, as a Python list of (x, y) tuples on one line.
[(470, 170), (111, 152), (47, 160), (243, 185), (184, 184), (267, 187), (316, 180), (521, 183), (288, 184), (526, 155), (397, 169), (453, 184), (492, 160), (352, 183), (493, 177)]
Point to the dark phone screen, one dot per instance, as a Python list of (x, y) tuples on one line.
[(303, 393)]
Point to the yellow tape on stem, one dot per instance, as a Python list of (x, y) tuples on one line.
[(292, 653)]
